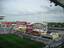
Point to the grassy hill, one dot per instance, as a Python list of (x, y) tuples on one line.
[(13, 41)]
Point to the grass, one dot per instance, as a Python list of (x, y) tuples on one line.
[(13, 41)]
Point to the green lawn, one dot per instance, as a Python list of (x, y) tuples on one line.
[(13, 41)]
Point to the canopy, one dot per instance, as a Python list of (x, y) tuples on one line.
[(58, 2)]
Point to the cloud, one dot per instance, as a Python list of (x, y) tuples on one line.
[(31, 10)]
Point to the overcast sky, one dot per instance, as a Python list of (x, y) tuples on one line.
[(31, 10)]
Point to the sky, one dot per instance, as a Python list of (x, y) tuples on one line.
[(31, 11)]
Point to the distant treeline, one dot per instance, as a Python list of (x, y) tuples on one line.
[(56, 25)]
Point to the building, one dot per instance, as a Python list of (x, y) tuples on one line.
[(29, 28), (39, 29), (21, 26), (8, 26)]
